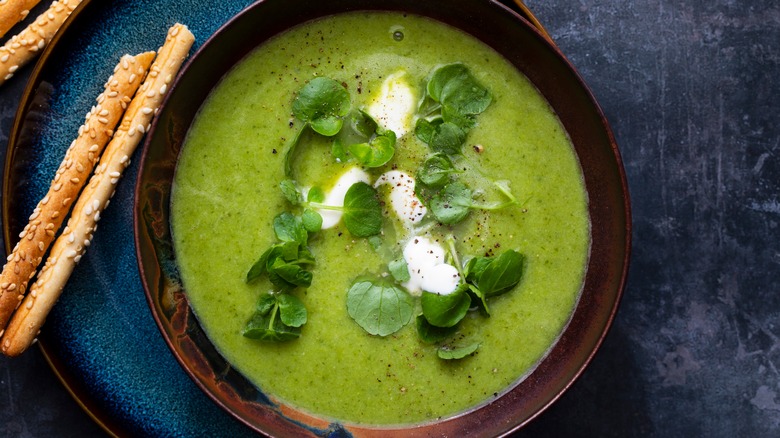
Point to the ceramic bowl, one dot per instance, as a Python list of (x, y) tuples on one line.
[(520, 43)]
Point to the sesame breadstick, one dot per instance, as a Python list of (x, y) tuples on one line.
[(77, 235), (14, 11), (72, 175), (22, 48)]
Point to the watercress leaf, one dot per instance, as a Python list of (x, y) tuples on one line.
[(327, 125), (443, 76), (270, 328), (435, 170), (376, 152), (454, 86), (288, 228), (265, 304), (290, 251), (465, 95), (364, 124), (451, 204), (464, 121), (259, 267), (502, 274), (291, 310), (475, 267), (339, 150), (379, 307), (480, 298), (424, 129), (424, 192), (449, 352), (316, 195), (323, 103), (292, 273), (446, 310), (399, 270), (362, 210), (447, 138), (291, 192), (430, 333), (276, 260), (312, 221), (305, 257)]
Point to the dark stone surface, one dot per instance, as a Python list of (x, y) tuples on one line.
[(691, 90)]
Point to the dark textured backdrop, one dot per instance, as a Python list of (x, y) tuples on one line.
[(692, 92)]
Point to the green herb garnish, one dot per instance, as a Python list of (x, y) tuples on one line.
[(277, 317), (362, 211), (446, 310), (495, 275), (448, 352), (381, 308), (370, 144), (322, 103)]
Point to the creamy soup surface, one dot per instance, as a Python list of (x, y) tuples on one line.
[(226, 194)]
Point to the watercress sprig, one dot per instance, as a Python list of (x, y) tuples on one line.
[(279, 315), (322, 105), (362, 210)]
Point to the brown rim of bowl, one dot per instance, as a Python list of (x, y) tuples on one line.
[(605, 181), (76, 391)]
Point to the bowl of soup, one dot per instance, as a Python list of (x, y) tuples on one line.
[(381, 218)]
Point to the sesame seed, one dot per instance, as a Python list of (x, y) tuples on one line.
[(163, 89), (115, 174), (77, 258), (71, 254), (146, 110), (87, 242), (71, 237), (12, 286), (140, 128), (75, 180), (97, 216), (113, 94), (88, 210), (114, 180), (40, 246), (104, 112), (4, 58), (94, 148), (103, 120)]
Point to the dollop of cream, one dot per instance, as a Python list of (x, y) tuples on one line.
[(428, 269), (395, 104), (335, 197), (405, 203)]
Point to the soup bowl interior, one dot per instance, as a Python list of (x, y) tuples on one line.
[(531, 54)]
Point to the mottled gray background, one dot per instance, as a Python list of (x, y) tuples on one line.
[(692, 92)]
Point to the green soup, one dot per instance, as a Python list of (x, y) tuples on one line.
[(226, 194)]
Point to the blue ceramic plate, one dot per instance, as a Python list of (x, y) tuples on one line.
[(100, 337)]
